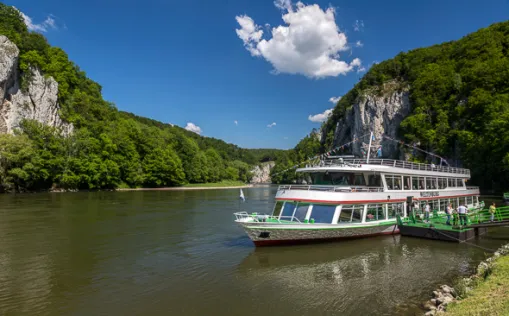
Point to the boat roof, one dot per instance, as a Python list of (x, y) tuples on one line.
[(387, 166)]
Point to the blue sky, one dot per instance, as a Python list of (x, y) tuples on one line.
[(184, 62)]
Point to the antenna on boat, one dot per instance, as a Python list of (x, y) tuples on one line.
[(369, 147)]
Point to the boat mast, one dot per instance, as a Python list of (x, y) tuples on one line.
[(369, 147)]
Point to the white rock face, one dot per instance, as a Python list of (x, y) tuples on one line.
[(39, 102), (261, 173), (381, 114)]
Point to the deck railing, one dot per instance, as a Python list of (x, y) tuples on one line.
[(330, 188), (398, 164)]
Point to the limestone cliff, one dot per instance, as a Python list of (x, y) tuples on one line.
[(261, 173), (380, 111), (39, 101)]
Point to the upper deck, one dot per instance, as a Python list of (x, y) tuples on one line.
[(388, 166)]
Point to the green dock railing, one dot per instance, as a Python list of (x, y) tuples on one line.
[(473, 217)]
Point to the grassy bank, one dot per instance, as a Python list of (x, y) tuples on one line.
[(216, 184), (489, 296)]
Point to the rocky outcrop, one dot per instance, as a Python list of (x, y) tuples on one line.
[(446, 294), (377, 111), (39, 101), (261, 173)]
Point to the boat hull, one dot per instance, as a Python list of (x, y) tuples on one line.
[(270, 235)]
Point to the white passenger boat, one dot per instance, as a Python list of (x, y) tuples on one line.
[(356, 198)]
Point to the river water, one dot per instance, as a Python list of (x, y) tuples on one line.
[(180, 253)]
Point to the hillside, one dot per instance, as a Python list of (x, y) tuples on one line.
[(451, 99), (56, 130)]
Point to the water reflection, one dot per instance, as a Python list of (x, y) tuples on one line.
[(357, 277)]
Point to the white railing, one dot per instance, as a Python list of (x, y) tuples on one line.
[(330, 188), (398, 164), (255, 217)]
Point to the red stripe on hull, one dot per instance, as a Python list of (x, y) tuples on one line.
[(266, 243), (375, 201)]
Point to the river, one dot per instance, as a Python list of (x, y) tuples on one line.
[(180, 253)]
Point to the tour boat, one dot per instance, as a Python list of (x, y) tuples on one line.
[(346, 198)]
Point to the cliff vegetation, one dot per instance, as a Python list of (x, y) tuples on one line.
[(459, 103)]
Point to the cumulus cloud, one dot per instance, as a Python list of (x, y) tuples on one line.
[(358, 44), (320, 117), (271, 125), (308, 43), (334, 100), (236, 123), (42, 27), (193, 128), (358, 26)]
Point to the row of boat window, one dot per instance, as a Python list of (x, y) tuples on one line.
[(321, 213), (397, 182), (394, 182), (353, 213)]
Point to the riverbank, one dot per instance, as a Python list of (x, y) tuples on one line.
[(483, 293), (196, 186)]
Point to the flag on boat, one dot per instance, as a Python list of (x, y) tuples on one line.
[(379, 152), (242, 196), (373, 137)]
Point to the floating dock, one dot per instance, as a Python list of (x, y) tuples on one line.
[(436, 228)]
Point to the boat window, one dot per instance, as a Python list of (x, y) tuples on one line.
[(375, 212), (434, 184), (397, 182), (323, 213), (452, 183), (470, 200), (393, 182), (420, 183), (415, 183), (390, 182), (394, 209), (459, 183), (407, 183), (359, 179), (442, 183), (346, 214), (277, 208), (337, 178), (454, 203), (428, 183), (443, 204), (357, 213), (375, 180), (301, 211), (288, 210)]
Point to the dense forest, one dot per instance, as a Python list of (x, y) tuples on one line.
[(108, 148), (459, 92)]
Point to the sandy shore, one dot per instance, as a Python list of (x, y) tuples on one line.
[(185, 188)]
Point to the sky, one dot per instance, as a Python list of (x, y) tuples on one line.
[(256, 73)]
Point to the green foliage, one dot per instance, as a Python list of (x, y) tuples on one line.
[(459, 93), (108, 148), (307, 148)]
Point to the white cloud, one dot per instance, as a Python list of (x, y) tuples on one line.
[(193, 128), (361, 69), (285, 5), (358, 26), (320, 117), (285, 137), (309, 43), (236, 123), (358, 44), (334, 100), (42, 27), (271, 125)]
